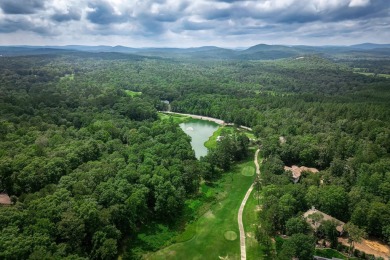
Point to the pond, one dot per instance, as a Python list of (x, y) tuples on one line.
[(200, 131)]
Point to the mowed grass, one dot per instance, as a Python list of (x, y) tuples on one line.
[(176, 118), (212, 142), (249, 134), (248, 171), (133, 93), (250, 220), (209, 236), (373, 74), (329, 253), (359, 71)]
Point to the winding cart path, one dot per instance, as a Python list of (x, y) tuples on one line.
[(207, 118), (241, 209), (212, 119)]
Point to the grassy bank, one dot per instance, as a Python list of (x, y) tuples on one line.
[(175, 118), (212, 142), (329, 253)]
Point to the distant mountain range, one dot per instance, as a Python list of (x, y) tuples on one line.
[(257, 52)]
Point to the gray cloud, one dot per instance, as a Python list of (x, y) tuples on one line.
[(72, 14), (7, 26), (149, 25), (23, 24), (21, 7), (228, 1), (104, 13), (376, 9), (297, 11), (189, 22), (196, 26)]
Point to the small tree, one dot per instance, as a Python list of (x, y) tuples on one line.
[(296, 225), (355, 234), (258, 184), (298, 246), (328, 229), (264, 238), (316, 219)]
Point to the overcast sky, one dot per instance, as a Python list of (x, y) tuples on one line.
[(190, 23)]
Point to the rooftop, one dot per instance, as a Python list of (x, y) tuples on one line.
[(315, 225), (5, 199)]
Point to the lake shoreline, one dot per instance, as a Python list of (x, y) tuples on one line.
[(199, 131), (206, 118)]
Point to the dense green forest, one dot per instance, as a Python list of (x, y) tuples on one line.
[(87, 165)]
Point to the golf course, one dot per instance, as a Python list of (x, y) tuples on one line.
[(216, 233)]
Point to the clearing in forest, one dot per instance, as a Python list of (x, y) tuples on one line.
[(133, 93)]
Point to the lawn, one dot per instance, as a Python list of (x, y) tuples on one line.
[(249, 134), (359, 71), (248, 171), (212, 142), (250, 219), (133, 93), (215, 233), (176, 118), (329, 253)]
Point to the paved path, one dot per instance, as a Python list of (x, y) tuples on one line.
[(215, 120), (257, 162), (241, 209)]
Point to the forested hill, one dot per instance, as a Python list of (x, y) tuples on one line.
[(88, 163), (257, 52)]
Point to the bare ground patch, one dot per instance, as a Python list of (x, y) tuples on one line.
[(297, 171), (370, 247)]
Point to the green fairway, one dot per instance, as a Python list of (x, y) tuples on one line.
[(215, 233), (230, 235), (133, 93), (249, 134), (176, 118), (362, 72), (248, 171), (250, 219)]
